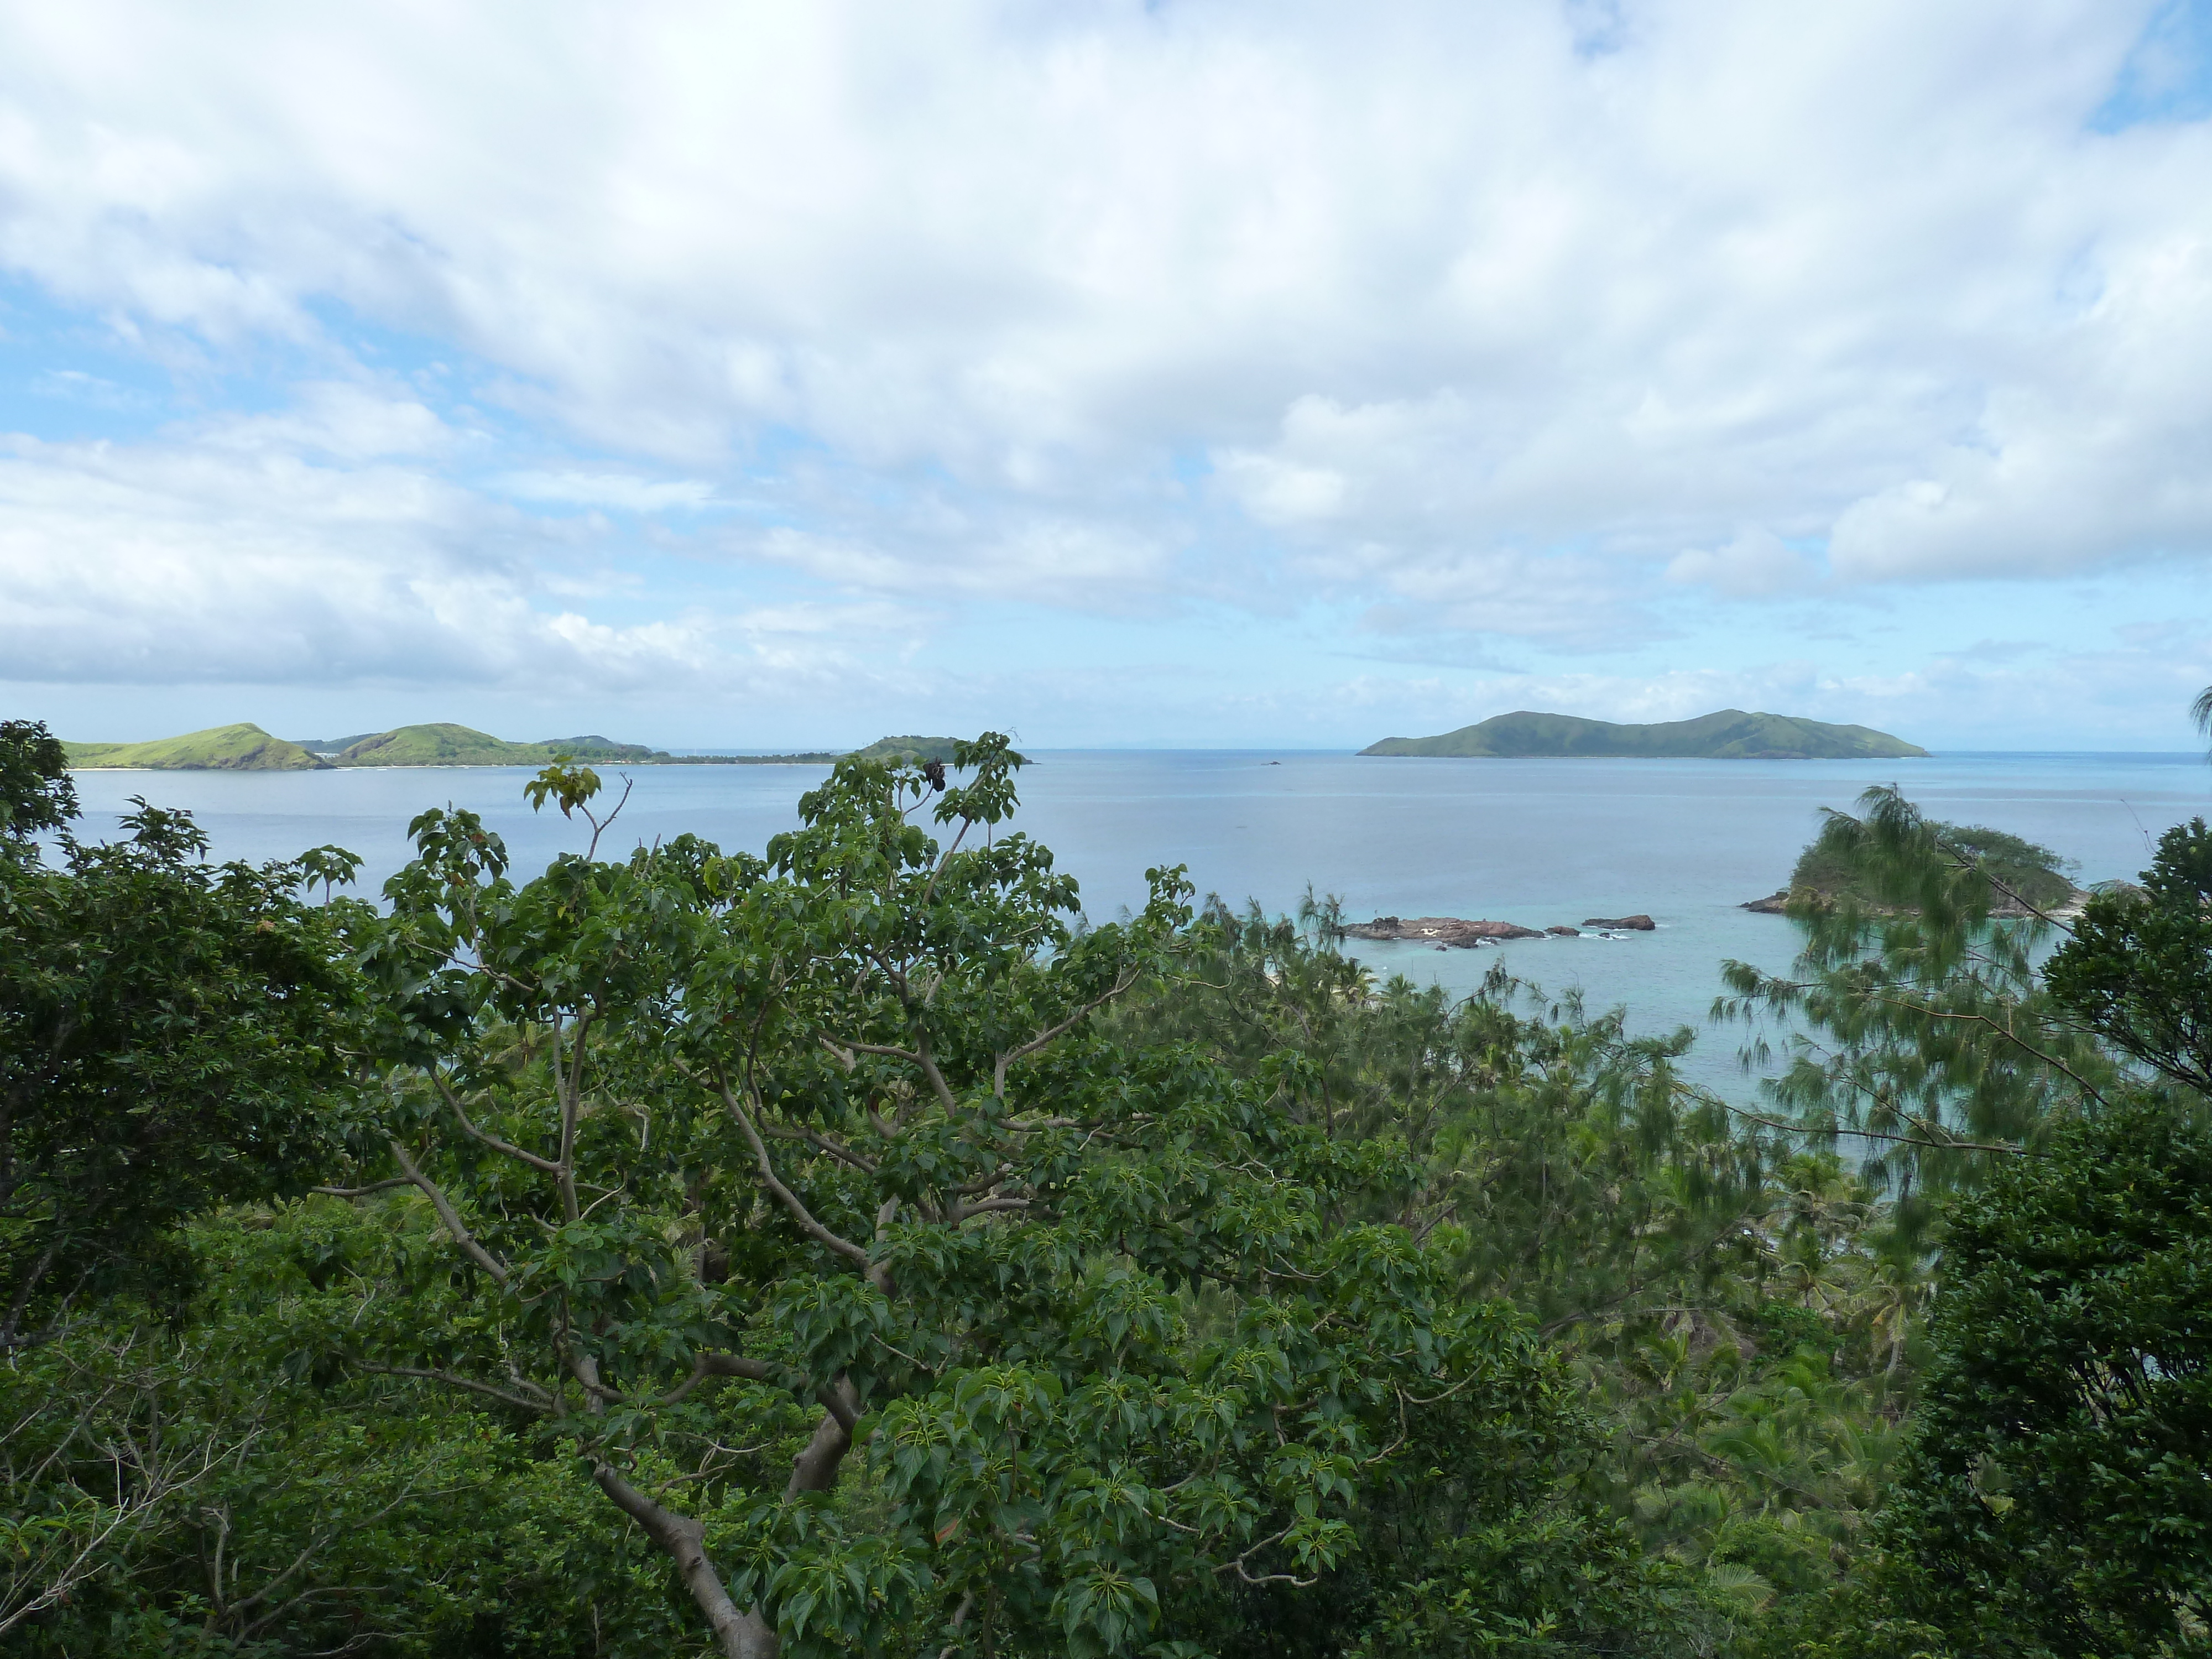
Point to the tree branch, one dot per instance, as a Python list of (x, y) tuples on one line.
[(363, 1192), (447, 1214), (784, 1195), (541, 1408), (1053, 1033), (719, 1364), (545, 1164)]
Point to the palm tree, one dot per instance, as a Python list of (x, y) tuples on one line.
[(2201, 711)]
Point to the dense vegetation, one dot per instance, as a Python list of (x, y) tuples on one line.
[(1725, 734), (850, 1251)]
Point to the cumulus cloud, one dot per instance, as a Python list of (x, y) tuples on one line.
[(1536, 320), (1754, 561), (238, 553)]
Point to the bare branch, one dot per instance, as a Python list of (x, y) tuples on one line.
[(1236, 1565), (784, 1195), (960, 1213), (541, 1408), (834, 1044), (451, 1217), (1045, 1037), (821, 1143), (363, 1192), (719, 1364), (1946, 1145), (491, 1140), (2009, 1034)]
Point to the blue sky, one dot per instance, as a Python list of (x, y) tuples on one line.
[(759, 375)]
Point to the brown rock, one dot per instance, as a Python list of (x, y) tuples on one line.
[(1633, 924), (1439, 930), (1565, 932)]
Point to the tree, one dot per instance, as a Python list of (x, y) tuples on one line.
[(1738, 1310), (733, 1161), (1920, 1025), (2138, 968), (36, 793), (2055, 1498), (172, 1035), (2058, 1498), (196, 1484)]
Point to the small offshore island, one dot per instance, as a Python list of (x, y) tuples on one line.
[(246, 747), (1726, 734)]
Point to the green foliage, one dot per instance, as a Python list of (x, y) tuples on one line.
[(735, 1166), (850, 1252), (204, 1488), (1727, 734), (36, 793), (172, 1035), (2138, 970), (1741, 1317), (1850, 859), (1919, 1025), (2059, 1500)]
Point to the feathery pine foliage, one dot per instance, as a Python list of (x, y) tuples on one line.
[(2019, 872), (1920, 1023)]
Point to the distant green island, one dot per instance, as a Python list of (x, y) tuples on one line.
[(1728, 734), (246, 748)]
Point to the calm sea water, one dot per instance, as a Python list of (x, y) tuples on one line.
[(1537, 842)]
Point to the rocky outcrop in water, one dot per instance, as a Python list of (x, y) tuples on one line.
[(1629, 924), (1439, 930)]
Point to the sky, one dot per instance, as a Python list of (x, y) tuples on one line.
[(1279, 374)]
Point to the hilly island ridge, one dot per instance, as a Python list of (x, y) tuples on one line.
[(1726, 734), (244, 747)]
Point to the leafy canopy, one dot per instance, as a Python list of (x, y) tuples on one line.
[(899, 1296)]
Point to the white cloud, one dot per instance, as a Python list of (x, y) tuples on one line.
[(233, 555), (1755, 561), (1483, 320)]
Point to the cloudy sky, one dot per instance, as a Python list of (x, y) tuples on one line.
[(1199, 373)]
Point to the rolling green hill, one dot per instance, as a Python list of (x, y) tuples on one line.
[(1728, 734), (921, 749), (447, 745), (248, 748), (241, 747)]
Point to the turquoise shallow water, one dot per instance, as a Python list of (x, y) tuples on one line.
[(1536, 842)]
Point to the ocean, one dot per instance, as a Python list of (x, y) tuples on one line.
[(1537, 842)]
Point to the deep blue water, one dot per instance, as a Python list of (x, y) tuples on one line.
[(1534, 841)]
